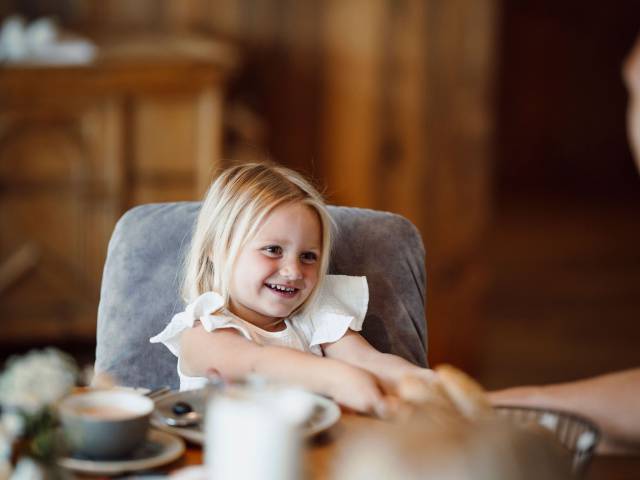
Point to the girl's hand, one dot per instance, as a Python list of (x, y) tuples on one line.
[(359, 390)]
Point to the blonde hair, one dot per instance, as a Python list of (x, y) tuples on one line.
[(233, 210)]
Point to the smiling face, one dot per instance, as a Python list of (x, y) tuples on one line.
[(277, 270)]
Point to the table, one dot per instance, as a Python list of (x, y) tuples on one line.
[(323, 449)]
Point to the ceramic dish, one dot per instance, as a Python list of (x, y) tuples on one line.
[(325, 414), (577, 434), (159, 449)]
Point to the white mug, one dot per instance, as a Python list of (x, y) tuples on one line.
[(246, 438)]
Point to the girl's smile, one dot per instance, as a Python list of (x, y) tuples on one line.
[(278, 269), (283, 290)]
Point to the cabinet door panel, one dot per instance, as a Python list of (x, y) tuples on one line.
[(164, 132), (58, 205)]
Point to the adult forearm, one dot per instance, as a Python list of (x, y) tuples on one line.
[(609, 400)]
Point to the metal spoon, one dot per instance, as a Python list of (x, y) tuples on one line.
[(186, 420)]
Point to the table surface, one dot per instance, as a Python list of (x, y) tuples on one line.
[(323, 448)]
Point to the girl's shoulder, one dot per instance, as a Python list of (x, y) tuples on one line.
[(207, 309), (341, 305), (343, 293)]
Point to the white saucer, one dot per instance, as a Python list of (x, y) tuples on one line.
[(325, 414), (160, 448)]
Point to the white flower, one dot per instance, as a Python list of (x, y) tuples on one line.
[(36, 380), (27, 469), (12, 423)]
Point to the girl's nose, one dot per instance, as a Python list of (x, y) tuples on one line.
[(290, 271)]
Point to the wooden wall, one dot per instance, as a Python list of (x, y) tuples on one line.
[(562, 102), (387, 103)]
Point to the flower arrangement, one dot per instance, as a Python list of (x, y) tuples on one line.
[(30, 385)]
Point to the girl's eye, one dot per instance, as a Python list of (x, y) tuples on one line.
[(273, 250), (309, 257)]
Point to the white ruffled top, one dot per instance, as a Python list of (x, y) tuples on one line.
[(341, 304)]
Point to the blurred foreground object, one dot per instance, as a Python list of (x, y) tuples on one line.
[(577, 434), (456, 449), (449, 431), (449, 394), (253, 431), (30, 387)]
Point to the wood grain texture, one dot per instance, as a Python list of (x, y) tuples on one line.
[(387, 104), (81, 147)]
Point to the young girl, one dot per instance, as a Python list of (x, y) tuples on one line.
[(260, 300)]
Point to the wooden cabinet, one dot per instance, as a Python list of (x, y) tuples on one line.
[(79, 145)]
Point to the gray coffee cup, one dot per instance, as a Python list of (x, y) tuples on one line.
[(105, 424)]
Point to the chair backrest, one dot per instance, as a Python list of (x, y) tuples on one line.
[(141, 281)]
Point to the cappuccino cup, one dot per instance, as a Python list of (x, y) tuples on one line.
[(105, 424)]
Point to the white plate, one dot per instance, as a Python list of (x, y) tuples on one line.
[(325, 414), (159, 448)]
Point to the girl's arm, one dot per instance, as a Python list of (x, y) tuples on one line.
[(353, 349), (233, 356)]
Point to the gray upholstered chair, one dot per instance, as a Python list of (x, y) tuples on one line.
[(140, 286)]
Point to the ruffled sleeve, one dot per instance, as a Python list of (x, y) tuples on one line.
[(206, 309), (341, 305)]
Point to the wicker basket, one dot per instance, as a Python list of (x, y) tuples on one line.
[(578, 434)]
